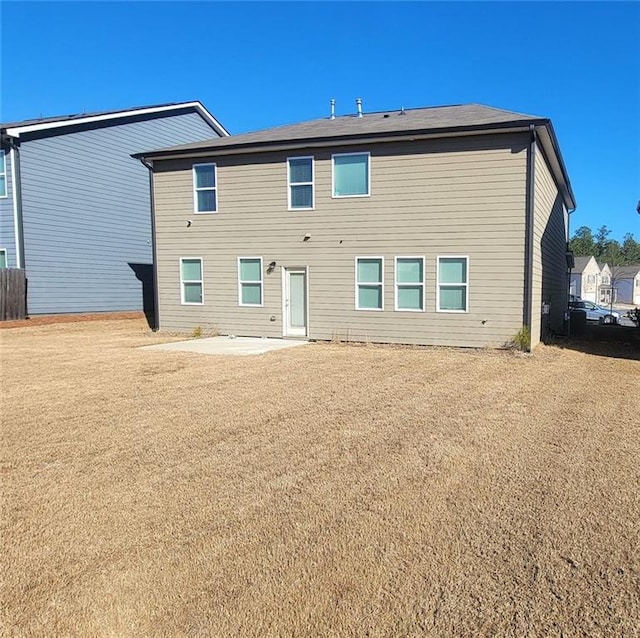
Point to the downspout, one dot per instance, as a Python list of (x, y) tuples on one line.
[(529, 218), (14, 155), (567, 323), (156, 301)]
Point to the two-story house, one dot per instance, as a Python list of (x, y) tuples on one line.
[(585, 279), (442, 225), (627, 284), (75, 207)]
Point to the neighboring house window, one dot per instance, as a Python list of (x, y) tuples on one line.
[(3, 175), (637, 283), (351, 175), (591, 279), (410, 283), (606, 280), (369, 283), (300, 179), (250, 281), (205, 196), (191, 281), (3, 257), (453, 286)]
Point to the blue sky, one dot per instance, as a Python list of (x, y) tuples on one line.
[(260, 64)]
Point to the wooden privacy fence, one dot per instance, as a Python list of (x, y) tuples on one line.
[(13, 294)]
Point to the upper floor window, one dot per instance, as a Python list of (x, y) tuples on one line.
[(410, 283), (369, 283), (606, 280), (250, 281), (453, 285), (300, 180), (3, 175), (351, 175), (205, 197), (3, 257), (191, 284), (591, 279)]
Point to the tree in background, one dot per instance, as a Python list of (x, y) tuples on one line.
[(606, 251), (584, 244), (630, 250)]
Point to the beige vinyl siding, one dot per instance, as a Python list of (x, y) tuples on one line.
[(428, 198), (550, 279)]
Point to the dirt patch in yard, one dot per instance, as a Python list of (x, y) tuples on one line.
[(330, 490), (45, 320)]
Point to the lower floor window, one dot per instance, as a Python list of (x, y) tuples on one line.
[(410, 283), (453, 284), (3, 258), (369, 283), (191, 280), (250, 281)]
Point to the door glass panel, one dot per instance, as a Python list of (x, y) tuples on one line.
[(297, 303)]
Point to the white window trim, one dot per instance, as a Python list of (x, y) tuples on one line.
[(3, 173), (380, 283), (438, 284), (3, 251), (251, 281), (311, 183), (196, 190), (192, 281), (333, 170), (410, 285)]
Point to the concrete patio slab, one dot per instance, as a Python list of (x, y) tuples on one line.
[(239, 346)]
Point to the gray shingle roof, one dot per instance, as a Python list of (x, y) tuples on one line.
[(580, 263), (464, 116), (626, 272), (75, 116)]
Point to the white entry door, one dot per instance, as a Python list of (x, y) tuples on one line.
[(295, 302)]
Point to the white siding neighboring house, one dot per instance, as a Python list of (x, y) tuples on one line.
[(585, 279), (605, 290), (627, 284)]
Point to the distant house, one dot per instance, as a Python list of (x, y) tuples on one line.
[(606, 292), (585, 279), (75, 208), (627, 284), (439, 225)]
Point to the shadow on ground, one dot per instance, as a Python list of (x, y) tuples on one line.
[(620, 342), (144, 274)]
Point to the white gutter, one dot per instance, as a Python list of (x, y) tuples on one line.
[(16, 131)]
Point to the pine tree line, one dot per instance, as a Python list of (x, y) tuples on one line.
[(584, 244)]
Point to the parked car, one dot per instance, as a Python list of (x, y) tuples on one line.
[(634, 315), (595, 312)]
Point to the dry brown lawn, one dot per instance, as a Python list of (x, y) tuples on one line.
[(330, 490)]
